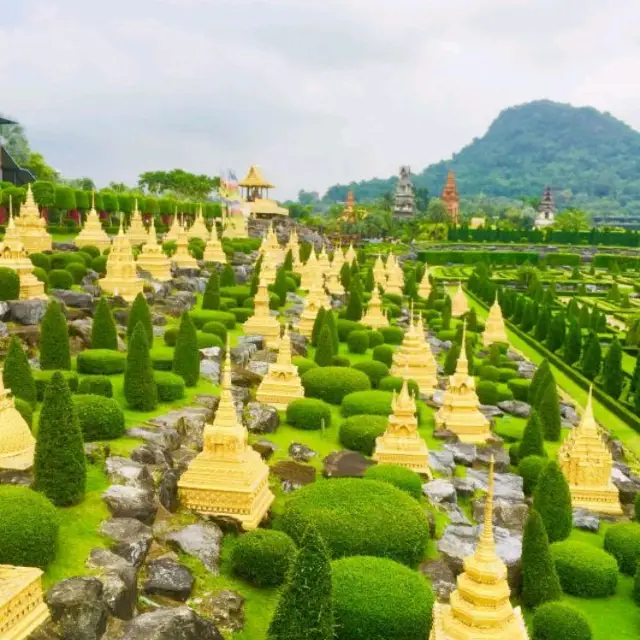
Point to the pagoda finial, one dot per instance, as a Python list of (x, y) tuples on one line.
[(462, 366), (121, 229), (486, 549), (588, 422), (93, 200)]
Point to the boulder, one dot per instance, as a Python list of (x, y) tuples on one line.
[(568, 413), (129, 473), (515, 408), (131, 538), (151, 454), (345, 464), (226, 609), (441, 462), (71, 298), (465, 487), (180, 623), (586, 520), (182, 419), (168, 490), (179, 302), (437, 398), (300, 452), (119, 580), (439, 490), (294, 472), (166, 438), (256, 340), (130, 502), (242, 377), (82, 327), (210, 369), (242, 353), (260, 418), (443, 582), (259, 367), (464, 454), (455, 514), (22, 478), (628, 486), (202, 540), (27, 311), (507, 486), (501, 460), (185, 283), (508, 515), (181, 459), (166, 577), (265, 448)]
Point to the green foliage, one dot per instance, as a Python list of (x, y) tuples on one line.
[(211, 296), (592, 357), (392, 334), (228, 276), (539, 380), (556, 334), (359, 433), (374, 369), (375, 338), (331, 322), (637, 507), (99, 265), (612, 370), (200, 317), (101, 362), (383, 353), (43, 378), (96, 385), (309, 414), (186, 357), (548, 407), (622, 541), (532, 438), (25, 410), (558, 620), (324, 352), (139, 386), (215, 328), (77, 272), (104, 334), (140, 313), (358, 341), (318, 324), (394, 383), (451, 359), (60, 279), (354, 305), (332, 384), (170, 386), (367, 402), (345, 327), (54, 339), (9, 284), (552, 500), (280, 285), (303, 364), (636, 586), (573, 343), (401, 477), (530, 468), (17, 374), (59, 466), (100, 418), (41, 260), (487, 392)]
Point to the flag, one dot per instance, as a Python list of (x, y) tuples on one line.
[(232, 181)]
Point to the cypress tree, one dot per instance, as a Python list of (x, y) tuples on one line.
[(542, 326), (345, 276), (324, 351), (104, 334), (17, 374), (255, 278), (446, 313), (494, 355), (592, 357), (529, 316), (573, 342), (602, 323), (330, 321), (636, 399), (612, 370), (186, 357), (552, 500), (540, 582), (288, 261), (556, 335), (595, 319), (573, 309), (318, 323), (472, 320), (519, 309), (532, 438), (636, 586), (636, 375), (433, 296), (543, 372), (354, 306), (59, 463), (410, 287), (305, 608), (548, 407), (139, 386), (585, 317), (211, 296), (228, 276), (54, 339), (280, 285), (140, 313), (369, 281), (451, 360)]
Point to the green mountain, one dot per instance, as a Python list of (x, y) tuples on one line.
[(589, 158)]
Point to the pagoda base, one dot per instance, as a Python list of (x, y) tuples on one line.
[(393, 289), (470, 427), (214, 254), (101, 242), (426, 380), (268, 328), (279, 395), (489, 338), (126, 289), (447, 627), (27, 625), (159, 270), (606, 501), (236, 227), (411, 453), (376, 322), (185, 262)]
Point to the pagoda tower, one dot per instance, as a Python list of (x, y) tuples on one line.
[(262, 323), (373, 316), (309, 271), (451, 198), (174, 230), (546, 211), (460, 410), (152, 258), (121, 278), (333, 284), (22, 607), (316, 298), (228, 478), (349, 211), (401, 443), (214, 252), (282, 384), (494, 330), (379, 273), (270, 248), (395, 276), (323, 261), (350, 256), (293, 245), (14, 256), (405, 199), (32, 227), (92, 233), (424, 288), (235, 225), (586, 463), (137, 232), (17, 445), (338, 260), (479, 608), (182, 258), (199, 227), (459, 303)]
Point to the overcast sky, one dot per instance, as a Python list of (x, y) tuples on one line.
[(314, 91)]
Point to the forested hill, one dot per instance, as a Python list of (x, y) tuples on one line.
[(589, 155)]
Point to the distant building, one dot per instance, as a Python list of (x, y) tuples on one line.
[(10, 171), (546, 211), (405, 199), (451, 198)]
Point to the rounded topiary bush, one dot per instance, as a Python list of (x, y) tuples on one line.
[(375, 338), (40, 260), (60, 279), (358, 341), (506, 373), (332, 384), (530, 469), (62, 259), (383, 353), (29, 531), (200, 317), (584, 570), (99, 265), (309, 414), (375, 594), (96, 385), (374, 369), (345, 327), (489, 372), (9, 284), (161, 358), (100, 418), (394, 383), (392, 335), (208, 340), (169, 385), (400, 477), (92, 251), (171, 336), (359, 517), (101, 362), (303, 364), (77, 271), (263, 557), (238, 292), (520, 388), (487, 392), (217, 329), (41, 275), (43, 378), (622, 541), (377, 403), (340, 361), (555, 620), (241, 313), (359, 433)]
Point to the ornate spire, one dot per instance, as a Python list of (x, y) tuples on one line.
[(486, 549), (462, 366), (284, 349)]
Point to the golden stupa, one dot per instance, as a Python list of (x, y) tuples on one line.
[(338, 260), (494, 330), (395, 276), (174, 229), (586, 463), (153, 259), (459, 304), (424, 288), (17, 445), (379, 273), (401, 443), (137, 232), (22, 608), (373, 316), (199, 227), (309, 271), (281, 385), (293, 245), (14, 256), (460, 410), (351, 255), (270, 248), (316, 298), (182, 258), (262, 323), (214, 252), (235, 224), (323, 261), (479, 608), (333, 284), (32, 227), (122, 278), (92, 233), (228, 478)]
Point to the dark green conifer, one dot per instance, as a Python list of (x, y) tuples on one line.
[(369, 281), (592, 357), (186, 356), (345, 276), (446, 313), (585, 317), (140, 313), (104, 334), (542, 326), (410, 286), (573, 309), (211, 296), (255, 278), (573, 342), (612, 370), (529, 316), (54, 339), (17, 374), (330, 321), (552, 500), (354, 306), (139, 386), (451, 359), (532, 438), (288, 261), (543, 372), (318, 323), (324, 351), (548, 407), (556, 335), (280, 285), (228, 277)]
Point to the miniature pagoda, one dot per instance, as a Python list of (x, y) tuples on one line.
[(395, 276), (32, 227), (373, 316), (282, 384), (214, 252), (174, 230), (92, 233), (350, 256), (22, 607), (405, 200), (137, 232), (270, 248), (451, 199), (479, 608), (401, 443), (182, 258), (309, 271), (152, 258), (316, 298), (460, 410), (14, 256), (235, 225), (262, 323), (586, 463), (121, 278), (293, 245), (323, 261), (228, 478), (199, 227), (257, 195), (424, 288), (17, 444), (494, 330), (379, 273), (349, 211), (459, 303), (333, 284), (546, 211)]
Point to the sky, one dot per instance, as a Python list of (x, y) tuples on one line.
[(316, 92)]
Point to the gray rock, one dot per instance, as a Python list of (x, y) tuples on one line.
[(294, 472), (464, 454), (345, 464), (256, 340), (437, 399), (439, 490), (181, 458), (127, 472), (151, 454), (628, 486), (210, 369), (130, 502), (515, 408), (226, 609), (260, 418), (507, 486), (500, 457), (166, 577), (203, 540), (245, 378), (508, 515), (179, 420), (265, 448), (455, 514), (185, 283), (442, 462), (27, 311), (168, 490), (241, 355), (131, 538), (74, 299), (16, 477), (617, 450), (300, 452), (4, 310), (465, 487), (168, 439), (441, 577), (568, 413), (298, 345), (178, 302), (586, 520), (119, 580), (491, 411), (259, 367), (180, 623), (82, 327)]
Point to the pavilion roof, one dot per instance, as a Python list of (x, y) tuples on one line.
[(254, 178)]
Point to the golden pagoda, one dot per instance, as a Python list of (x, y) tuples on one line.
[(153, 259), (137, 232), (32, 227), (586, 463), (459, 303), (121, 278), (460, 410), (323, 262), (214, 252), (174, 230), (338, 260), (309, 271), (235, 225), (17, 445), (14, 256), (351, 255), (479, 608), (199, 227), (293, 245), (281, 385), (22, 608), (401, 443), (257, 195), (379, 273), (262, 323), (424, 288), (373, 316), (228, 478), (270, 248), (451, 198), (182, 258), (316, 298), (333, 284), (92, 233), (395, 276), (494, 330)]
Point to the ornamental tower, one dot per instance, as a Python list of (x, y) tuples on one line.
[(122, 278), (152, 258), (494, 330), (92, 232), (451, 198)]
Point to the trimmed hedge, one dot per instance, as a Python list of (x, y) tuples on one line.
[(241, 314), (9, 284), (77, 271), (303, 364), (96, 385), (200, 317), (41, 275), (263, 557), (367, 402), (332, 384), (41, 260), (25, 410), (374, 369), (161, 358), (340, 361), (170, 386), (383, 353), (555, 620), (358, 341), (487, 392), (308, 414), (216, 328), (43, 378), (392, 335), (375, 338), (359, 433), (400, 477), (520, 388), (394, 383), (100, 418), (101, 362), (530, 469), (622, 541), (17, 374), (60, 279)]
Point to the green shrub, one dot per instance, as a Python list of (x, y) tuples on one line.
[(96, 385), (324, 351), (332, 384), (637, 507), (636, 586), (9, 284), (392, 335), (504, 393), (54, 339), (490, 373), (161, 358), (208, 340), (394, 383), (383, 353), (139, 386), (548, 407), (359, 517), (60, 279), (622, 541), (77, 271), (91, 251), (40, 260), (375, 338), (532, 438), (520, 388), (263, 557), (241, 314), (506, 373), (374, 369), (487, 392), (217, 329), (171, 336), (186, 357), (378, 598), (309, 414), (17, 374), (99, 265), (29, 531), (358, 341), (340, 361), (43, 378), (584, 570), (101, 362), (41, 275), (552, 500), (303, 364), (200, 317), (211, 296), (401, 477), (25, 410), (359, 433), (104, 334), (376, 403), (169, 385), (100, 418), (447, 335), (530, 469), (345, 327), (140, 313), (556, 620), (238, 292), (63, 259)]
